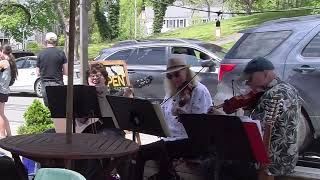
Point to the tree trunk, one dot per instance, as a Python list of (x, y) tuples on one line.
[(208, 8), (77, 35), (64, 22)]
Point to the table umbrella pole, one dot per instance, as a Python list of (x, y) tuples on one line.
[(69, 114)]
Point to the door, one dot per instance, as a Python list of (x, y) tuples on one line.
[(148, 62), (303, 71)]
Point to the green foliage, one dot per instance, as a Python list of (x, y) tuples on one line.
[(159, 13), (113, 18), (61, 40), (229, 26), (101, 21), (37, 119), (315, 4), (33, 45)]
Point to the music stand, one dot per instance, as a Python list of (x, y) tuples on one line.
[(226, 133), (136, 115), (85, 102)]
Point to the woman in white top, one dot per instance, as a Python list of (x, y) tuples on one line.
[(8, 73), (196, 101)]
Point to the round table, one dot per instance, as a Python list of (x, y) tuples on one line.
[(48, 146)]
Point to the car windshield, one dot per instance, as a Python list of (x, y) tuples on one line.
[(217, 50), (252, 45)]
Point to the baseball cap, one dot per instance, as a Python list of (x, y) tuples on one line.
[(50, 36), (255, 65)]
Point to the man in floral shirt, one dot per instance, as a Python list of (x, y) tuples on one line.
[(283, 151)]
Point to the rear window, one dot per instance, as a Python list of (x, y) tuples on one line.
[(217, 50), (257, 44)]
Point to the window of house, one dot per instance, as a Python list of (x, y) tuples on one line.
[(174, 23), (313, 48), (148, 56), (181, 23)]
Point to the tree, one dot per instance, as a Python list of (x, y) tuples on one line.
[(203, 3), (159, 13)]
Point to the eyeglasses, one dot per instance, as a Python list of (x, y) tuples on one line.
[(95, 75), (175, 74)]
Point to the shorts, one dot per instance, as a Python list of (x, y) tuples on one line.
[(4, 98)]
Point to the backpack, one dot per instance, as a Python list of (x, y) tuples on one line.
[(12, 80)]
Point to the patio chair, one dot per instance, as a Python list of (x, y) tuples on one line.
[(58, 173)]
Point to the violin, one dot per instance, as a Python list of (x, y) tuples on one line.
[(185, 93), (242, 101)]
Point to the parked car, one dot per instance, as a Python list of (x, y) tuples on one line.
[(28, 81), (293, 46), (21, 53), (148, 58)]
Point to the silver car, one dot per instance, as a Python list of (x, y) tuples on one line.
[(148, 58), (293, 46)]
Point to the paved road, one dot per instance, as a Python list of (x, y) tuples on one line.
[(15, 108)]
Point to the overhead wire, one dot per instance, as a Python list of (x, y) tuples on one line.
[(239, 13)]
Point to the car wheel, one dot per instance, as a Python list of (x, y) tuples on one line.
[(38, 88), (304, 133)]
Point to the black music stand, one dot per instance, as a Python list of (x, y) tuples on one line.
[(225, 133), (85, 102), (136, 115)]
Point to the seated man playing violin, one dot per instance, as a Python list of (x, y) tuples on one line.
[(259, 75), (184, 94)]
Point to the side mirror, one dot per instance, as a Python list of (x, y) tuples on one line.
[(208, 63)]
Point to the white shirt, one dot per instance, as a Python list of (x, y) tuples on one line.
[(199, 103)]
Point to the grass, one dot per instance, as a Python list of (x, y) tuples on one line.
[(230, 26), (206, 31)]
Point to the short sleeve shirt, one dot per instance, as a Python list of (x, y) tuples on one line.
[(199, 103), (50, 62)]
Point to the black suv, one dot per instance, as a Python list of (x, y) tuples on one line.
[(148, 58)]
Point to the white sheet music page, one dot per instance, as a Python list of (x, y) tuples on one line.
[(248, 119)]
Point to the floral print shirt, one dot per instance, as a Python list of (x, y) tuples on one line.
[(199, 103), (283, 151)]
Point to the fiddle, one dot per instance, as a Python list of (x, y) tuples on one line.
[(185, 94), (242, 101)]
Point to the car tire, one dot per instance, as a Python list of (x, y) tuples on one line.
[(37, 88), (304, 133)]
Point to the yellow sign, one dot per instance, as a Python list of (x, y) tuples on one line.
[(117, 72)]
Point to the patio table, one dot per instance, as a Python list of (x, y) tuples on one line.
[(49, 146)]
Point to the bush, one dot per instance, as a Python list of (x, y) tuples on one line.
[(61, 40), (33, 45), (37, 119)]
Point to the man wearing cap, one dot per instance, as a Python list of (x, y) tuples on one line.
[(51, 65), (259, 75)]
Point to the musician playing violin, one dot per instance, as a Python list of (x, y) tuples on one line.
[(259, 75), (184, 94)]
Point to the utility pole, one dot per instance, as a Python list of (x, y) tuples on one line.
[(84, 8), (135, 19)]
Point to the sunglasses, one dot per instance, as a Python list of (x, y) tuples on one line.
[(175, 74)]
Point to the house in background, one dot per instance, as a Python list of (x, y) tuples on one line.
[(177, 17), (4, 38)]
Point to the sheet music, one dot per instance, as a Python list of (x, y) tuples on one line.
[(248, 119), (158, 110), (105, 107)]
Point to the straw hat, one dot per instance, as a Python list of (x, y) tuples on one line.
[(176, 63)]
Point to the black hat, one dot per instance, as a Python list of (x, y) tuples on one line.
[(255, 65)]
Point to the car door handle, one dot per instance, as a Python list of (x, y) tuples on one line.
[(305, 69), (131, 72)]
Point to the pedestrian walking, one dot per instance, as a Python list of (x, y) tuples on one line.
[(51, 65), (8, 74)]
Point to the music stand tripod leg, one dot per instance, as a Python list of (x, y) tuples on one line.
[(22, 172)]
